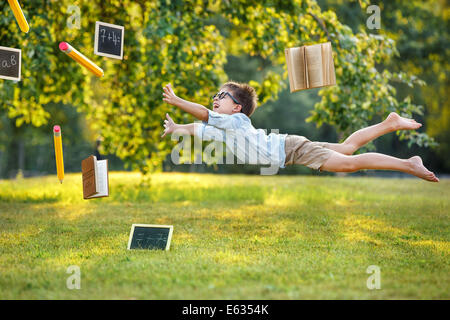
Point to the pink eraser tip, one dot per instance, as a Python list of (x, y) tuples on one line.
[(63, 46), (56, 129)]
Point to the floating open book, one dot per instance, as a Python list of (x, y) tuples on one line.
[(95, 178), (310, 66)]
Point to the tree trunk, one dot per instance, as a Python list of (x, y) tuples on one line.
[(21, 156)]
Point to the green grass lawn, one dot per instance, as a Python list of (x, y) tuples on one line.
[(235, 237)]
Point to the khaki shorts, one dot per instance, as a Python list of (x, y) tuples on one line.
[(300, 150)]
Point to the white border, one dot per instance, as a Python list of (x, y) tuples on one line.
[(20, 63), (97, 25), (169, 238)]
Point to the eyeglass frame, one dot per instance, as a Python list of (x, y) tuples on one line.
[(225, 93)]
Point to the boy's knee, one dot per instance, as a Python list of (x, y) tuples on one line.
[(348, 149)]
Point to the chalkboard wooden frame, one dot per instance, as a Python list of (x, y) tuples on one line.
[(169, 238), (20, 63), (97, 33)]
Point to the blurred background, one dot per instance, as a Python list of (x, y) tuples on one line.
[(419, 29)]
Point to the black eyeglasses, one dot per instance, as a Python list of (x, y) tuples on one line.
[(223, 94)]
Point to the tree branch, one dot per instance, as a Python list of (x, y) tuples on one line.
[(321, 24)]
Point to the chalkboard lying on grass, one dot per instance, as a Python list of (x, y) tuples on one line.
[(10, 63), (150, 236)]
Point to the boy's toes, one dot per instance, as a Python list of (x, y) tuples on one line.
[(432, 177)]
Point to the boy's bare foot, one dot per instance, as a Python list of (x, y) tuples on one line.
[(419, 170), (400, 123)]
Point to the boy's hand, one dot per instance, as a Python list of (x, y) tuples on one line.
[(169, 126), (169, 95)]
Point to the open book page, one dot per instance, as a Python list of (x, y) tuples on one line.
[(289, 67), (314, 71), (328, 65), (102, 179), (297, 60)]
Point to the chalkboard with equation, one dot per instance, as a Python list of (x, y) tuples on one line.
[(10, 63), (109, 40), (150, 236)]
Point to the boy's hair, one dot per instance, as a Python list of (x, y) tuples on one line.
[(245, 94)]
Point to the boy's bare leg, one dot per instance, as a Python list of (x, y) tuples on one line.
[(393, 122), (345, 163)]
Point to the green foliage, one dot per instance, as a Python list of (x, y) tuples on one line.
[(186, 44), (421, 31)]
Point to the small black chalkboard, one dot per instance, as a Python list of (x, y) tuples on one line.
[(109, 40), (10, 63), (150, 236)]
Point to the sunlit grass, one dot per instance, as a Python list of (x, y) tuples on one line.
[(235, 237)]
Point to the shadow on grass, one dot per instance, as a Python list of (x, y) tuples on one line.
[(252, 193), (29, 198)]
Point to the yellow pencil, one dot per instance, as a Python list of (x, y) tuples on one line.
[(21, 21), (57, 138), (81, 59)]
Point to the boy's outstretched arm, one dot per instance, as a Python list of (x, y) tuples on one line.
[(171, 127), (197, 110)]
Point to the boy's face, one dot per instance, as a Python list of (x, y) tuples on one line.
[(223, 102)]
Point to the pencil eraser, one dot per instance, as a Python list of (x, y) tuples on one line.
[(63, 46), (56, 129)]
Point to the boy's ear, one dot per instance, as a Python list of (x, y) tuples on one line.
[(238, 108)]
